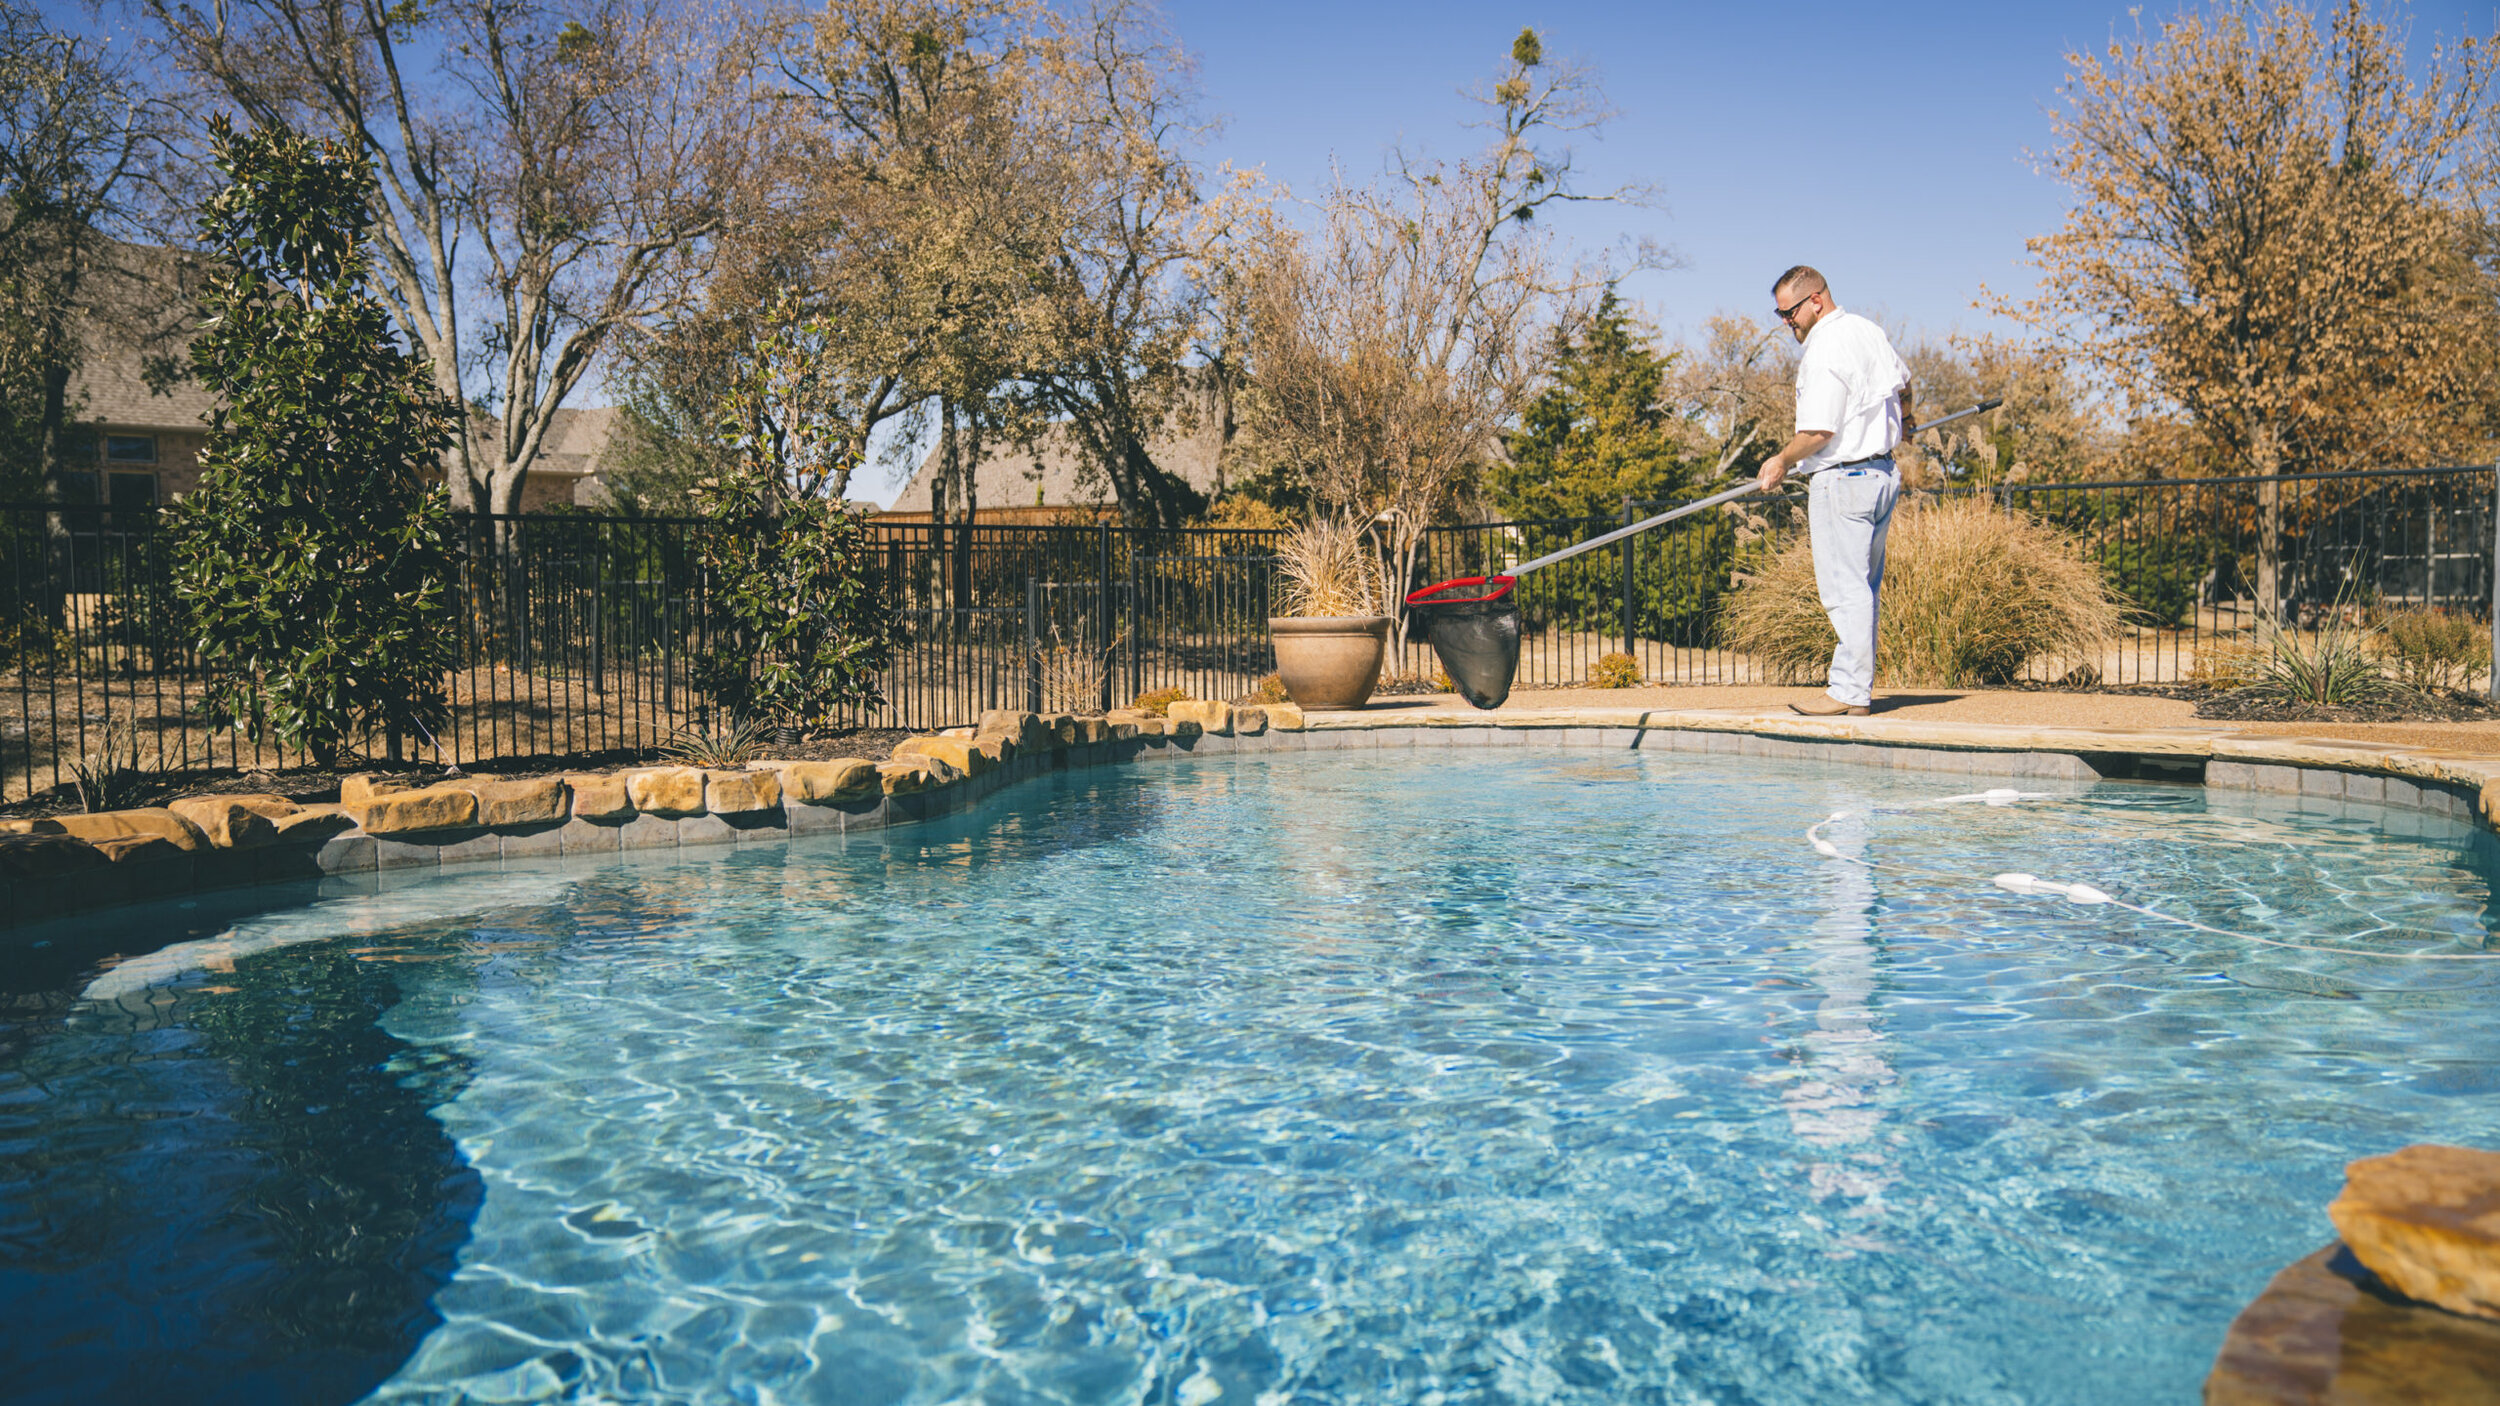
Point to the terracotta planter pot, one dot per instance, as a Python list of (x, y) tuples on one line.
[(1330, 661)]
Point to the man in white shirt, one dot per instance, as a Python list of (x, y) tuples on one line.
[(1853, 407)]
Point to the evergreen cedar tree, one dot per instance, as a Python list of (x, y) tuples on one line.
[(1597, 433), (313, 561)]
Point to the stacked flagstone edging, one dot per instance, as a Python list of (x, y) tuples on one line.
[(49, 868), (54, 867)]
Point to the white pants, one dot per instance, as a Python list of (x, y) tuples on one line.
[(1849, 512)]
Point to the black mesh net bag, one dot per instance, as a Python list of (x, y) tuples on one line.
[(1474, 626)]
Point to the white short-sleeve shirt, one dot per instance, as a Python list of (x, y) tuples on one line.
[(1849, 382)]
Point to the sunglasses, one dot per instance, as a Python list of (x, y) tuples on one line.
[(1789, 313)]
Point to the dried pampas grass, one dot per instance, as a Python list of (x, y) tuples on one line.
[(1970, 594)]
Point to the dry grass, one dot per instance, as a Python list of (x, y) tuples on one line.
[(1328, 571), (1970, 594)]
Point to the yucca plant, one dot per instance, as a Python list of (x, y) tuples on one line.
[(2336, 666), (708, 743)]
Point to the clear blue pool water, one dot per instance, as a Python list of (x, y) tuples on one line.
[(1563, 1076)]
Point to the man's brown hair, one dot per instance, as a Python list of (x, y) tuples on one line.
[(1799, 274)]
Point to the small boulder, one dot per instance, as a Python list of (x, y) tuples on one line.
[(138, 849), (365, 786), (415, 812), (1212, 716), (960, 753), (599, 797), (1027, 730), (313, 824), (674, 790), (2426, 1219), (30, 827), (41, 856), (902, 778), (823, 783), (503, 804), (1249, 721), (742, 792), (226, 821), (151, 820), (1284, 717)]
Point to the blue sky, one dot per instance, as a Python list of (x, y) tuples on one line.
[(1885, 144)]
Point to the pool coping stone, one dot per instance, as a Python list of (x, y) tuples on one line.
[(2308, 771)]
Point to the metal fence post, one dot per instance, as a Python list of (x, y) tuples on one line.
[(1628, 544), (1102, 609), (1032, 647)]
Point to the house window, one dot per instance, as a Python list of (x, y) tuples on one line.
[(133, 490), (130, 449)]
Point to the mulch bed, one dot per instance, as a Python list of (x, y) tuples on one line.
[(309, 784), (2404, 707), (2249, 706)]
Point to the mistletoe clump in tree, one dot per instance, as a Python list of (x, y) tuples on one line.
[(313, 559), (810, 623)]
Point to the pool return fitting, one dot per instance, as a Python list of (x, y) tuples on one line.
[(1473, 623), (2033, 886)]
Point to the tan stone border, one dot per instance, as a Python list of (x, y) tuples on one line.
[(53, 869)]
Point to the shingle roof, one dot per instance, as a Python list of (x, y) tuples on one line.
[(1054, 473), (136, 305)]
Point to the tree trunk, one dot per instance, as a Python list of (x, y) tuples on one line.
[(2265, 457)]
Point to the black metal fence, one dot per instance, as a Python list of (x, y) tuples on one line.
[(580, 637)]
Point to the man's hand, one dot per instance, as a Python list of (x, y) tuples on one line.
[(1796, 451)]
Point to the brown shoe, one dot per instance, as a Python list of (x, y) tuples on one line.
[(1829, 707)]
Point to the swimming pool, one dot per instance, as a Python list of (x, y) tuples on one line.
[(1531, 1076)]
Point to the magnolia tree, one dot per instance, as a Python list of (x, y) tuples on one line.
[(811, 623), (1390, 348), (313, 560)]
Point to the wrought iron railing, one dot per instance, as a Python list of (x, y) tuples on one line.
[(579, 633)]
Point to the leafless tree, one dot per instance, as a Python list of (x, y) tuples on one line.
[(563, 166)]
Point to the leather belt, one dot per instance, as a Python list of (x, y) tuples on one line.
[(1885, 457)]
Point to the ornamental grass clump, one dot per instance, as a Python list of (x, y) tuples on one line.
[(1970, 594), (2434, 649), (1329, 571)]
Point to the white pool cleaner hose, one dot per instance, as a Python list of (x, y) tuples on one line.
[(2032, 885)]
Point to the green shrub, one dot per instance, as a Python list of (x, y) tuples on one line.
[(313, 561), (1271, 690), (2432, 649), (1970, 594), (1616, 670), (1153, 704)]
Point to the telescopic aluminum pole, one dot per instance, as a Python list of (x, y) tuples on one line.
[(1712, 501)]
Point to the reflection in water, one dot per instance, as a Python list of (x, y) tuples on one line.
[(235, 1193), (1834, 1106)]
